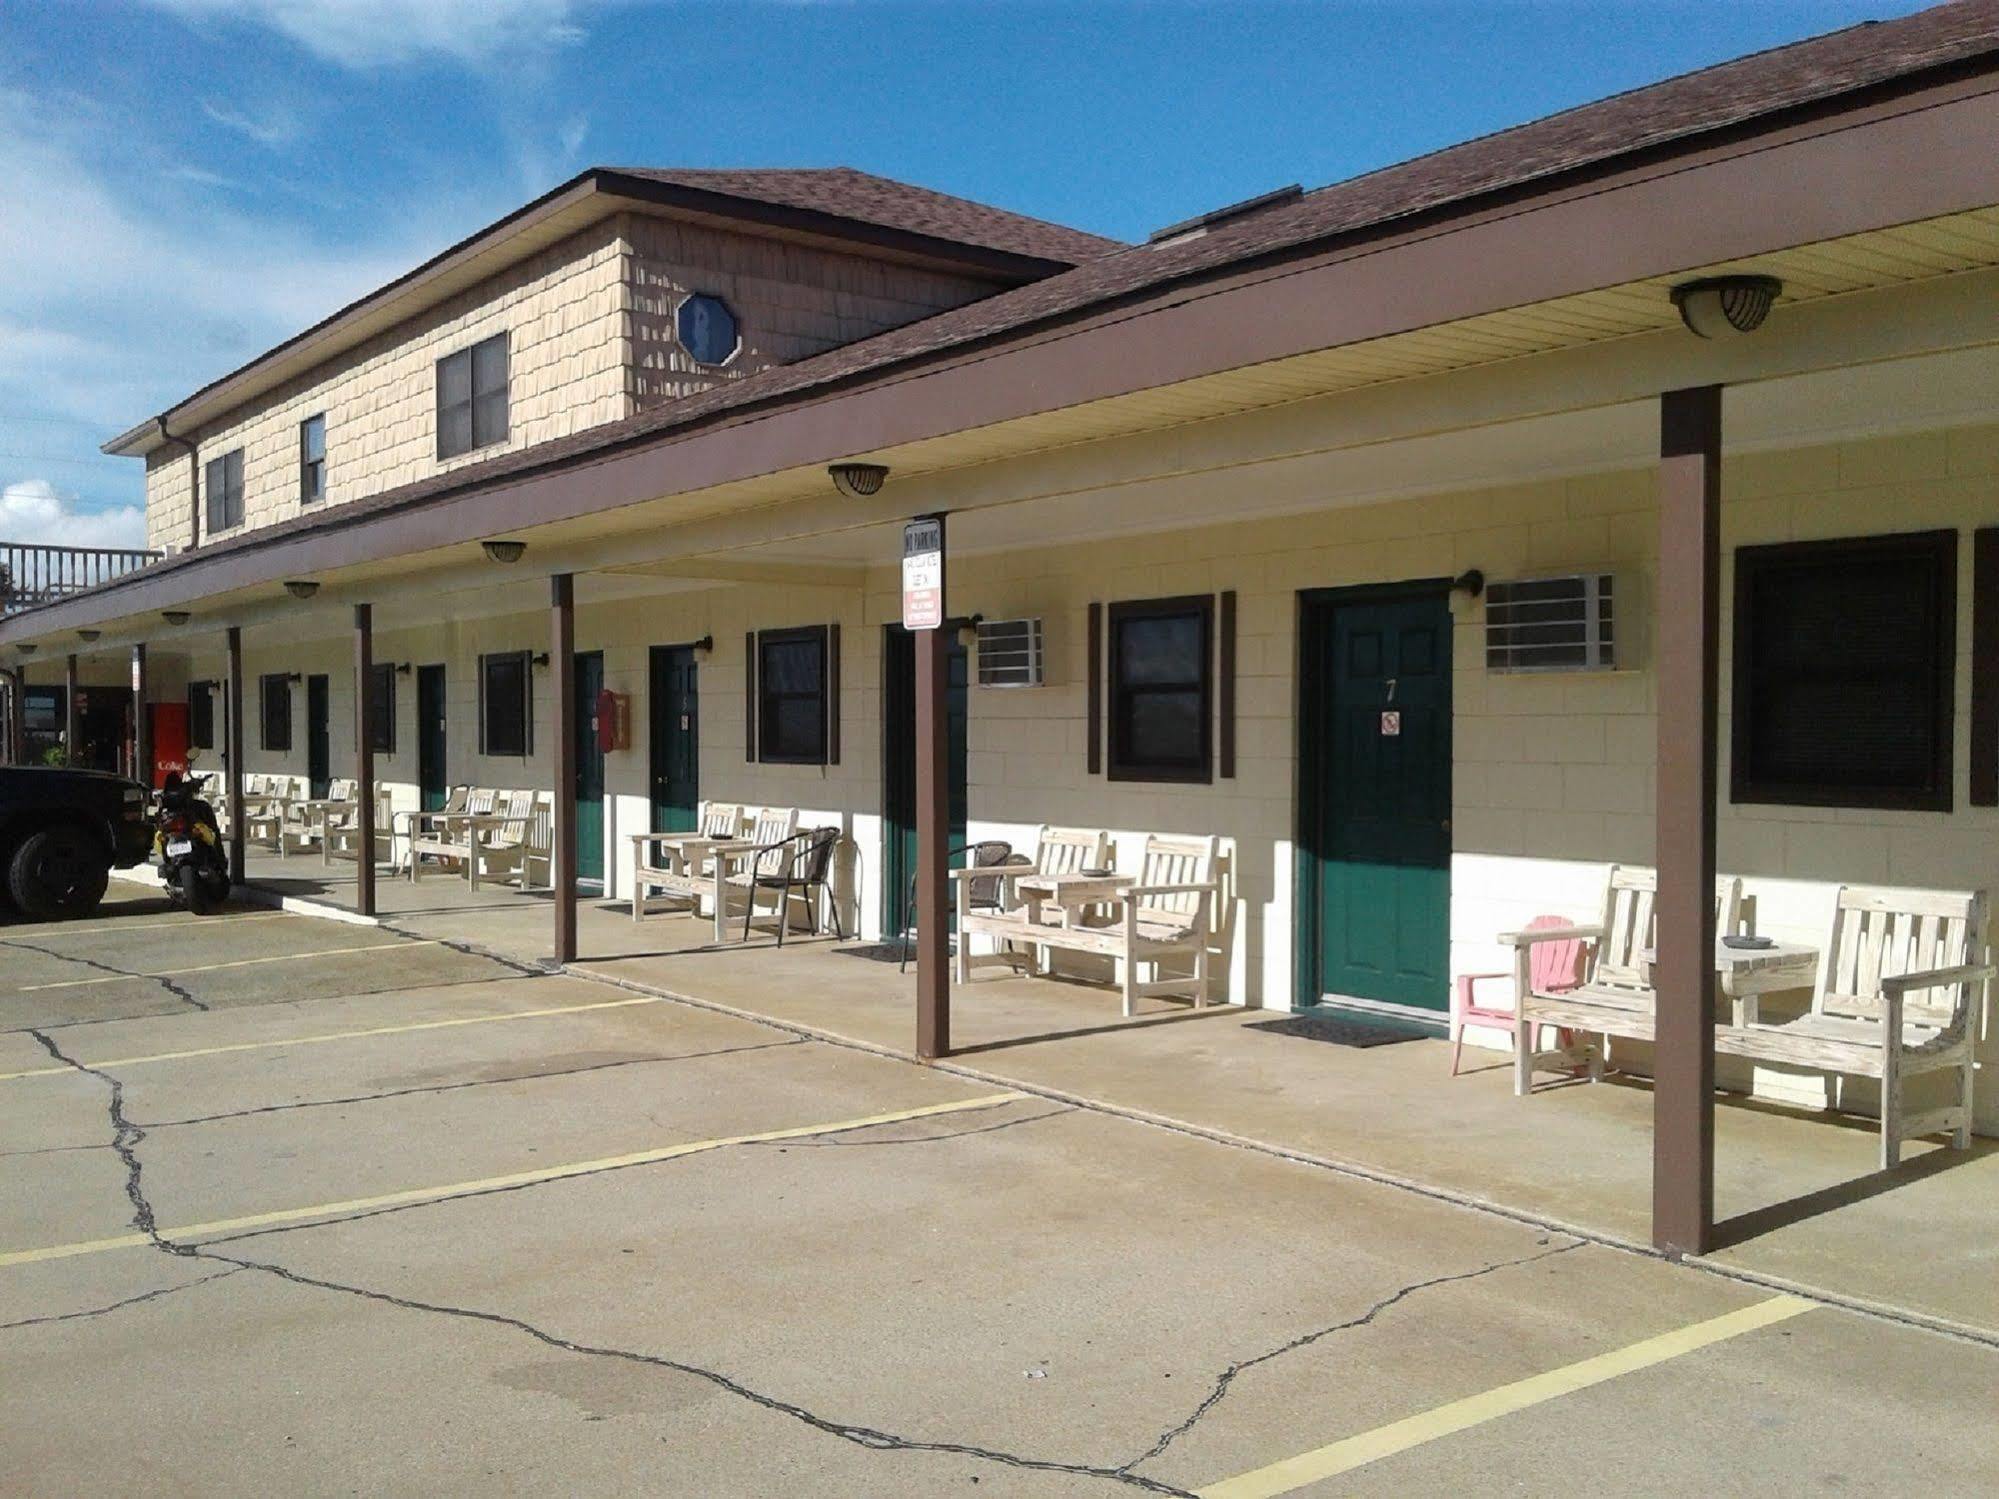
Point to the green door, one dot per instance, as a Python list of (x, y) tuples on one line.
[(674, 708), (318, 749), (430, 712), (899, 762), (589, 771), (1377, 805)]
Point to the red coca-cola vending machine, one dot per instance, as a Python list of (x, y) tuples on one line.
[(169, 726)]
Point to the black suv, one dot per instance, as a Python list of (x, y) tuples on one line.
[(62, 832)]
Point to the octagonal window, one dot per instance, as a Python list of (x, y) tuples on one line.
[(707, 328)]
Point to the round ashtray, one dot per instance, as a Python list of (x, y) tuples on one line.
[(1751, 943), (1096, 874)]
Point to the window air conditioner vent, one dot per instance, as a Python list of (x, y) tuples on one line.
[(1551, 624), (1010, 653)]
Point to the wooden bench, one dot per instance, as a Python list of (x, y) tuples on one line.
[(1056, 851), (1897, 995), (675, 866), (1167, 912), (448, 834), (511, 845), (1616, 997)]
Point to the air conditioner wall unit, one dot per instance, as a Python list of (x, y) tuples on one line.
[(1562, 623), (1010, 653)]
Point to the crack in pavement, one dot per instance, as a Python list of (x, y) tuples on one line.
[(117, 1306), (1227, 1378), (264, 1004), (161, 979), (126, 1137), (956, 1134), (478, 1082)]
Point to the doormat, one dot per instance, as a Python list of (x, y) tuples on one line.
[(882, 952), (1346, 1030)]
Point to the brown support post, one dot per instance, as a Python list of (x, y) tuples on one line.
[(16, 684), (233, 706), (72, 720), (1689, 653), (364, 758), (933, 825), (562, 670), (142, 727)]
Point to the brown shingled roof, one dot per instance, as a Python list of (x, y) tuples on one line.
[(1660, 117), (843, 192)]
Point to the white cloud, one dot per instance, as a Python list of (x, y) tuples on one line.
[(273, 125), (115, 303), (35, 512), (376, 33)]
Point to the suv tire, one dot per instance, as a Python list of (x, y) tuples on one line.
[(56, 873)]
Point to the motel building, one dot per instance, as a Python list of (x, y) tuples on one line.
[(1595, 522)]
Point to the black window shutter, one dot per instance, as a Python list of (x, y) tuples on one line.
[(527, 705), (482, 705), (832, 694), (1225, 690), (750, 696), (1094, 696), (1985, 668)]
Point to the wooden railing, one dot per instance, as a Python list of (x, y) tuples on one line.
[(32, 574)]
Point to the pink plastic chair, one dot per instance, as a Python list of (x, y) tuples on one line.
[(1553, 968)]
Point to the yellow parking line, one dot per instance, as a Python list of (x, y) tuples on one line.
[(491, 1183), (203, 923), (174, 973), (1399, 1436), (325, 1036)]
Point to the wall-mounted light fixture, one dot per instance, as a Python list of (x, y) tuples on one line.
[(1470, 581), (1723, 306), (294, 676), (175, 616), (86, 636), (967, 629), (540, 659), (405, 669), (301, 588), (504, 551), (705, 646), (858, 480)]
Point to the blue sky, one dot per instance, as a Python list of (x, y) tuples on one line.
[(185, 182)]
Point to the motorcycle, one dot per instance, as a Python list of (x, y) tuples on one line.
[(189, 847)]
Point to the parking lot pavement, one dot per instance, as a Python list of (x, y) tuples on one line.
[(364, 1214)]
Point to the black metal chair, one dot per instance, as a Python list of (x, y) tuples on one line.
[(986, 894), (802, 863)]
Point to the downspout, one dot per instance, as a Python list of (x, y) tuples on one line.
[(193, 481)]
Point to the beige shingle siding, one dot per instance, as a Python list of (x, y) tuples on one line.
[(790, 301), (563, 313), (169, 490), (590, 328)]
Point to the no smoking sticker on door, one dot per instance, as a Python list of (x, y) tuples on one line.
[(1391, 723)]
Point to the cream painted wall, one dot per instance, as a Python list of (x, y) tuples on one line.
[(1553, 774)]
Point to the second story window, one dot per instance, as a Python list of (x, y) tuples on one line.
[(472, 397), (224, 484), (312, 460)]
